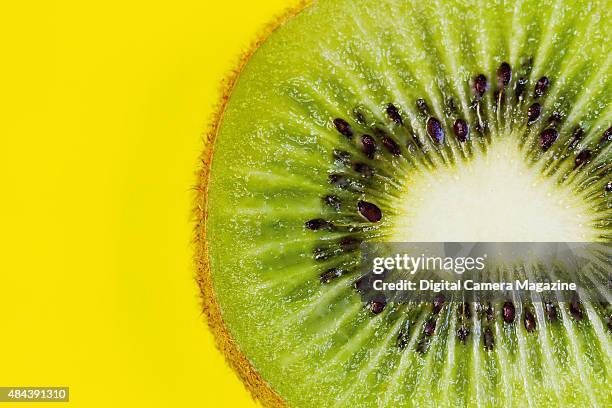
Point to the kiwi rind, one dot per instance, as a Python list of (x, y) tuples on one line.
[(259, 388)]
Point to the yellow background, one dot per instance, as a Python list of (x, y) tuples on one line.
[(102, 110)]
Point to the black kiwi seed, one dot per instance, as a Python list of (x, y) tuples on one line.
[(551, 311), (461, 129), (462, 333), (541, 86), (577, 136), (504, 75), (318, 224), (575, 308), (450, 104), (339, 180), (363, 284), (520, 88), (464, 309), (430, 327), (547, 138), (555, 119), (403, 336), (391, 146), (331, 274), (530, 323), (480, 85), (341, 156), (489, 340), (438, 302), (482, 129), (497, 97), (369, 146), (489, 311), (349, 244), (402, 341), (332, 201), (533, 113), (609, 186), (423, 346), (359, 117), (363, 169), (378, 306), (435, 130), (527, 63), (343, 127), (394, 114), (379, 132), (508, 312), (369, 211), (422, 106), (606, 137), (582, 158), (321, 254)]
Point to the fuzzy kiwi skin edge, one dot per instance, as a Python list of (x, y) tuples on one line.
[(258, 387)]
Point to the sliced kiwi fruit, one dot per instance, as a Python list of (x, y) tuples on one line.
[(408, 121)]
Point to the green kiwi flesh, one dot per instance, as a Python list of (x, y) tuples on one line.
[(405, 121)]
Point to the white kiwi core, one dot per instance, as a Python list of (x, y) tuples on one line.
[(494, 197)]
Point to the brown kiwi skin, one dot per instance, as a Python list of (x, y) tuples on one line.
[(258, 387)]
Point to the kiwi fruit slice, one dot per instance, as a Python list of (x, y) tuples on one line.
[(408, 121)]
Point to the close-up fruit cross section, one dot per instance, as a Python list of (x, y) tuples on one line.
[(408, 121)]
